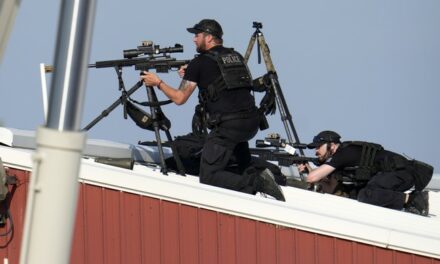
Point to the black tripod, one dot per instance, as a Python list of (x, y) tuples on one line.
[(286, 118), (157, 117)]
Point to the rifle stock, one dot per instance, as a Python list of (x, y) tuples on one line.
[(161, 66)]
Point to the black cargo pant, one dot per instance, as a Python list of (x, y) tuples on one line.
[(387, 189), (189, 147), (227, 142)]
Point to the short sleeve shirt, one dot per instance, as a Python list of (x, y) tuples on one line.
[(348, 156)]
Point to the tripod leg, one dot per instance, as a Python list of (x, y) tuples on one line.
[(176, 156), (249, 48), (163, 165), (152, 98), (286, 118), (112, 107), (266, 53), (284, 112)]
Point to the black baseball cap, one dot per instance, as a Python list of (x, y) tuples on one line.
[(209, 26), (323, 137)]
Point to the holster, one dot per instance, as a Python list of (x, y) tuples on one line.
[(214, 120), (263, 121)]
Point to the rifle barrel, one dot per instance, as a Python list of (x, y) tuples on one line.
[(142, 63), (283, 158)]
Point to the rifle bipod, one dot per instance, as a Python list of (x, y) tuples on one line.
[(286, 117), (153, 122)]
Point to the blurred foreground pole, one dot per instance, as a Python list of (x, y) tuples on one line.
[(8, 11), (53, 190)]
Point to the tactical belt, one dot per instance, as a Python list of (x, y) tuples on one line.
[(216, 119)]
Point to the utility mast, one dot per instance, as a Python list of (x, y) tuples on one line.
[(8, 11)]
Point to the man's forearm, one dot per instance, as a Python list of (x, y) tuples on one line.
[(319, 173), (178, 96)]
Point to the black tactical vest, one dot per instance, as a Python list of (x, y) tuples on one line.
[(234, 72), (367, 168)]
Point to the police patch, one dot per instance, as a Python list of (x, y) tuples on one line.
[(229, 59)]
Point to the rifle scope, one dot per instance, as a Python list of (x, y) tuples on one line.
[(260, 143), (147, 48)]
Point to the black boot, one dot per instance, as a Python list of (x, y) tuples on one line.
[(265, 183), (418, 203)]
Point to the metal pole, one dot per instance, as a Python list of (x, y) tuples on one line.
[(71, 62), (53, 190), (8, 11)]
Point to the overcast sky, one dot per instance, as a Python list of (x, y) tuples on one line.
[(369, 70)]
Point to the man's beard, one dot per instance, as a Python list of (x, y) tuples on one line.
[(201, 48), (324, 158)]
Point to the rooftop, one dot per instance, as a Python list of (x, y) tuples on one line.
[(315, 212)]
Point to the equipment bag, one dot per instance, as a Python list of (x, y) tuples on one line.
[(189, 148), (145, 120), (140, 117)]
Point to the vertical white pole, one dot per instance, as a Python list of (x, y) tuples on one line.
[(53, 190), (44, 89), (52, 197)]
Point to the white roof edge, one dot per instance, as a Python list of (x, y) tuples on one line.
[(25, 139), (347, 219)]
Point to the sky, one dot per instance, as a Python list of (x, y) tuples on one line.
[(369, 70)]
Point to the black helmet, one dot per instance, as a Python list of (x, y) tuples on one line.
[(323, 137), (209, 26)]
